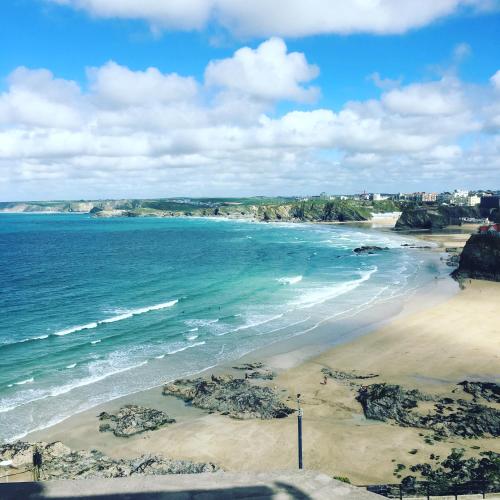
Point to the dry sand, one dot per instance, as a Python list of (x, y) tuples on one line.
[(431, 349)]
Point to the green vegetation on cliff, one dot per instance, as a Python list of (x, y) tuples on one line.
[(259, 208)]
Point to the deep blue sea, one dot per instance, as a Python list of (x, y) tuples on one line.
[(93, 309)]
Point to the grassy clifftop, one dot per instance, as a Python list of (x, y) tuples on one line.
[(259, 208)]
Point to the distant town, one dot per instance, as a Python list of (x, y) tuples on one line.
[(458, 197)]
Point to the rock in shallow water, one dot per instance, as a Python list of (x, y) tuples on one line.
[(133, 419), (60, 462), (236, 398)]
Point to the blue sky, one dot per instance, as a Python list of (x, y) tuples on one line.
[(66, 40)]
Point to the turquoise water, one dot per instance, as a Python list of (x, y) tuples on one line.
[(93, 309)]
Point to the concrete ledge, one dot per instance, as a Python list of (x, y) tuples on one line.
[(209, 486)]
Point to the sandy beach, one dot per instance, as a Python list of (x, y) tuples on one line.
[(431, 349)]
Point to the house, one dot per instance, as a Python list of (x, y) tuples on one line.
[(491, 229)]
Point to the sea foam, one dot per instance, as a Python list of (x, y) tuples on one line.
[(292, 280), (113, 319)]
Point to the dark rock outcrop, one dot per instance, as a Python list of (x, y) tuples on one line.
[(60, 462), (132, 419), (369, 249), (340, 375), (480, 258), (482, 390), (460, 418), (434, 217), (390, 402), (230, 396), (256, 370), (249, 366), (457, 474)]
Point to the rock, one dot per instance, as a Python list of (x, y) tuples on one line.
[(236, 398), (473, 474), (256, 371), (132, 419), (264, 374), (416, 246), (339, 375), (480, 258), (485, 390), (468, 420), (369, 249), (60, 462), (435, 217), (453, 260), (392, 402), (249, 366), (385, 401)]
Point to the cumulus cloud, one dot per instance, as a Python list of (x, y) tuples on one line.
[(36, 98), (147, 133), (118, 85), (288, 18), (268, 73), (439, 98), (495, 80)]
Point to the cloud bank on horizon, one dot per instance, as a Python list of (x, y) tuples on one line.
[(253, 123)]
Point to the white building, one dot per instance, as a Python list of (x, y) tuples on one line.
[(473, 200)]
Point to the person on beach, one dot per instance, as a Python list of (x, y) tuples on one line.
[(325, 380), (37, 464)]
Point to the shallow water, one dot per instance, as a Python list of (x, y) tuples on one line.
[(93, 309)]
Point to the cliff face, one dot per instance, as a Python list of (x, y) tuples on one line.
[(269, 209), (480, 258), (434, 218)]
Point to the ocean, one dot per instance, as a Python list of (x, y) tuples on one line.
[(93, 309)]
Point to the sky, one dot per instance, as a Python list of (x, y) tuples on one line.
[(167, 98)]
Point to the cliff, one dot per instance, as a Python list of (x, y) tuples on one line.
[(434, 217), (257, 208), (270, 211), (480, 258)]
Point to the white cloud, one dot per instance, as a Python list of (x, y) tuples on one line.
[(268, 73), (146, 133), (118, 85), (36, 98), (175, 14), (436, 98), (283, 17), (495, 80)]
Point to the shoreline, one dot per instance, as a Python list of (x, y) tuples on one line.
[(280, 356), (304, 344), (332, 414), (339, 440)]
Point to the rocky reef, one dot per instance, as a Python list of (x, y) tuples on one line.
[(473, 474), (256, 370), (448, 417), (60, 462), (480, 258), (488, 391), (369, 249), (341, 375), (416, 217), (234, 397), (133, 419)]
